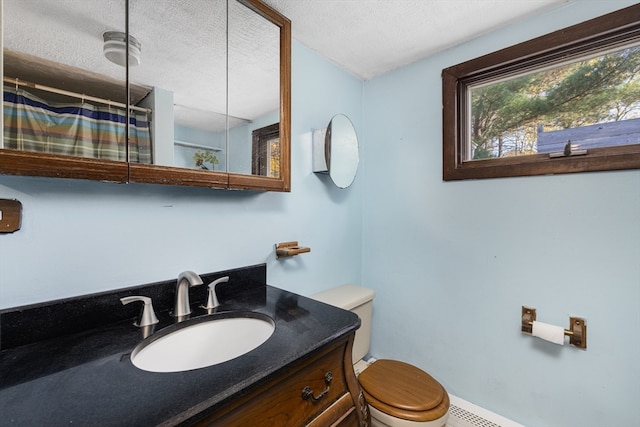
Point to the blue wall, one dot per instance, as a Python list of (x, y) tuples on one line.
[(80, 237), (453, 262)]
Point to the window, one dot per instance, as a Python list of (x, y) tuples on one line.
[(565, 102), (265, 159)]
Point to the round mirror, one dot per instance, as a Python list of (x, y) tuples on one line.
[(341, 150)]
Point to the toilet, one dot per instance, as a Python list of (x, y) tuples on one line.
[(398, 394)]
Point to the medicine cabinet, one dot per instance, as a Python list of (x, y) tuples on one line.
[(207, 88)]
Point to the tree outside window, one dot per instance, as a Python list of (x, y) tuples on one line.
[(508, 116)]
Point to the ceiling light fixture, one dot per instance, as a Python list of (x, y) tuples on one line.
[(115, 48)]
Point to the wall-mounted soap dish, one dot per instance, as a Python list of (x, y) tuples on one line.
[(287, 249)]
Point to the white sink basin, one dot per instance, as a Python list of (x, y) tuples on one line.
[(202, 344)]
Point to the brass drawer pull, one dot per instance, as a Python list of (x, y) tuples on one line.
[(307, 392)]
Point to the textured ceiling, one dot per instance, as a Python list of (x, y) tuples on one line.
[(180, 40), (371, 37), (183, 50)]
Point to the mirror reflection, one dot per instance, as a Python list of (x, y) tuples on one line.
[(68, 98), (61, 96), (254, 93), (183, 62), (341, 151)]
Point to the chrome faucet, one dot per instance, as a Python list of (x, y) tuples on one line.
[(186, 279), (212, 299), (147, 315)]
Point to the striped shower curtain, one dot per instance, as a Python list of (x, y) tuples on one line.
[(81, 129)]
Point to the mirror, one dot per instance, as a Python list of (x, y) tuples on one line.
[(336, 151), (52, 94), (195, 107), (264, 149), (254, 116), (183, 62)]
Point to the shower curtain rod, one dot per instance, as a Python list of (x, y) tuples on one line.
[(19, 82)]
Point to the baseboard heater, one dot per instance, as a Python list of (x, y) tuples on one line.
[(466, 414)]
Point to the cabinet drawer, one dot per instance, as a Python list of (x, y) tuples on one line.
[(341, 413), (281, 403)]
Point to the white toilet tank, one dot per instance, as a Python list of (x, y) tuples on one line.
[(358, 300)]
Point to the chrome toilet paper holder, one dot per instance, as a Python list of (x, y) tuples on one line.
[(577, 331)]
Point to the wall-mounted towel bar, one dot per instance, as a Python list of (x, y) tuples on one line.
[(577, 331)]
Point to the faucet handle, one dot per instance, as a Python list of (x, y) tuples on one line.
[(212, 300), (148, 316)]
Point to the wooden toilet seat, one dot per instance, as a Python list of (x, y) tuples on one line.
[(403, 391)]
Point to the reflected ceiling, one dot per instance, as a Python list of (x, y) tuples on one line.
[(182, 49)]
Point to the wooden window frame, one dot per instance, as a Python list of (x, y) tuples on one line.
[(576, 41), (259, 150)]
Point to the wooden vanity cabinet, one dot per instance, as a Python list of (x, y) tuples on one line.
[(280, 401)]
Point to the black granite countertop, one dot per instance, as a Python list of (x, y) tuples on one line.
[(58, 373)]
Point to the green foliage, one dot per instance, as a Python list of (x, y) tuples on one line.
[(201, 157), (506, 114)]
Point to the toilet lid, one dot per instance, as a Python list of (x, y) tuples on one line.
[(403, 391)]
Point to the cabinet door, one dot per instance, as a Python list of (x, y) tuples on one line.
[(64, 103)]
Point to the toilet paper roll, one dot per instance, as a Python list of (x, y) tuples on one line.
[(547, 332)]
